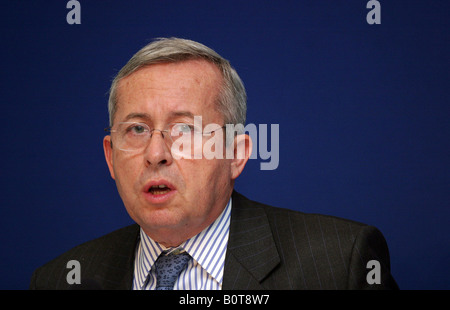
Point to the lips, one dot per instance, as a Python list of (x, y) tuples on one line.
[(158, 191)]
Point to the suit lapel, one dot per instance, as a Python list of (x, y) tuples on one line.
[(116, 269), (251, 252)]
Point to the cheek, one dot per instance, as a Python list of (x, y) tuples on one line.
[(207, 177), (127, 172)]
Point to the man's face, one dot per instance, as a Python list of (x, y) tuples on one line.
[(159, 95)]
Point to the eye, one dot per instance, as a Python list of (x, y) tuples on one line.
[(181, 128), (137, 129)]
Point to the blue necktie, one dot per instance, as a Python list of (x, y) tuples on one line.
[(168, 267)]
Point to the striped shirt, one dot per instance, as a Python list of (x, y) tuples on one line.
[(204, 271)]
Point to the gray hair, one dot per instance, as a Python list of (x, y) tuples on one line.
[(232, 101)]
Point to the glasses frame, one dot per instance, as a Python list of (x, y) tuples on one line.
[(151, 131)]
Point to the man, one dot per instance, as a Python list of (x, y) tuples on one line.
[(183, 201)]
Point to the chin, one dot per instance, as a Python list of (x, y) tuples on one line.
[(160, 218)]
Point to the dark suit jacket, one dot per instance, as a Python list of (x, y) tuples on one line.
[(268, 248)]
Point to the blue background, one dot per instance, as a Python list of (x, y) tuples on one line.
[(363, 113)]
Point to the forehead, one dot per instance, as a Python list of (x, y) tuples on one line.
[(165, 88)]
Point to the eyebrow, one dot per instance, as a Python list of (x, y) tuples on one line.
[(147, 117), (144, 116)]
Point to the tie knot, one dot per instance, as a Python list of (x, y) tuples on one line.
[(168, 267)]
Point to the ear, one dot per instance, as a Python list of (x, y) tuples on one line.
[(242, 151), (107, 148)]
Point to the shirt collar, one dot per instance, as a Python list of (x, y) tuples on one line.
[(207, 248)]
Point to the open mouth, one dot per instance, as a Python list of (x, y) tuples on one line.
[(159, 189)]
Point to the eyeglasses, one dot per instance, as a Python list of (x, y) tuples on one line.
[(133, 136)]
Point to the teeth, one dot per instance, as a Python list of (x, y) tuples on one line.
[(159, 189), (159, 186)]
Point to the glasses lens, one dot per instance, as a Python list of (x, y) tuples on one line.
[(181, 130), (132, 136)]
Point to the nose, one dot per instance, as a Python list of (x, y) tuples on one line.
[(157, 152)]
